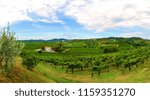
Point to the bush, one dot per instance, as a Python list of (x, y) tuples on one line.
[(60, 48), (109, 49), (30, 61), (9, 49)]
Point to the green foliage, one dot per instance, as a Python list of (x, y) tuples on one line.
[(81, 61), (9, 49), (109, 49), (59, 48), (30, 61), (136, 42), (80, 58)]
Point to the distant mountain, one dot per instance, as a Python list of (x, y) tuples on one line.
[(63, 39), (40, 40), (55, 40)]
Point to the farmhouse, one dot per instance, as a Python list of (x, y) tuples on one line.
[(46, 49)]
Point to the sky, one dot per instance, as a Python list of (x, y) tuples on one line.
[(76, 19)]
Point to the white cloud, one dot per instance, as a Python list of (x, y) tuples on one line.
[(98, 15), (132, 34), (36, 37), (46, 9), (101, 15), (18, 10), (10, 12), (47, 36)]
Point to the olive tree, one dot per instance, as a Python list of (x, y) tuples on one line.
[(9, 49)]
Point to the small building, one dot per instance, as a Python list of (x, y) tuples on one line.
[(46, 49)]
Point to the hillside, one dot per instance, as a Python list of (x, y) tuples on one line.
[(46, 74), (89, 60), (21, 75)]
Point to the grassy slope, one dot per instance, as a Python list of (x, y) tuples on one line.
[(45, 73), (140, 74), (22, 75)]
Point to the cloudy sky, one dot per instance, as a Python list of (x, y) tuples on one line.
[(47, 19)]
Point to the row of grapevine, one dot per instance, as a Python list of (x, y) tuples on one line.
[(99, 63)]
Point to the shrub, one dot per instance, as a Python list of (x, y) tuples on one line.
[(9, 49), (30, 61), (109, 49)]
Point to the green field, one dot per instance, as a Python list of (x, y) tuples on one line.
[(87, 61)]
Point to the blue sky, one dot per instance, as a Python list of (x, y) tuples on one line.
[(76, 19)]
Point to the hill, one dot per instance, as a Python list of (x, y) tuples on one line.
[(89, 60), (40, 40)]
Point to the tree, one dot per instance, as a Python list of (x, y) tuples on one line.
[(9, 49), (59, 48)]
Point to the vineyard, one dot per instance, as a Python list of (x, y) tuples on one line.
[(92, 58), (79, 60)]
